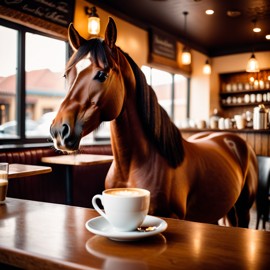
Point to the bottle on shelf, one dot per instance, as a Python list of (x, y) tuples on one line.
[(260, 117), (214, 118)]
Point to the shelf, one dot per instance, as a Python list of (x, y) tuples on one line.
[(244, 104), (243, 89), (234, 93)]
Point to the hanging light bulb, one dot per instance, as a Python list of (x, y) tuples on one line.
[(186, 55), (207, 68), (93, 20), (253, 64)]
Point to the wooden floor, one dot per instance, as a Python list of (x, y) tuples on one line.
[(253, 218), (252, 223)]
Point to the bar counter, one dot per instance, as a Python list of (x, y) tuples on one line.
[(38, 235), (259, 140)]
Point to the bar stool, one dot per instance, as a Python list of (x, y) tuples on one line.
[(263, 194)]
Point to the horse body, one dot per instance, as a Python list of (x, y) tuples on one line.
[(203, 179), (204, 188)]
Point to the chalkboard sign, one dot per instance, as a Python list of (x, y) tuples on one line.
[(58, 12), (162, 44)]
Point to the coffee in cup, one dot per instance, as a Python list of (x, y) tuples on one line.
[(3, 181), (124, 208)]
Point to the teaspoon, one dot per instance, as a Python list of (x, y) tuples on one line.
[(147, 229)]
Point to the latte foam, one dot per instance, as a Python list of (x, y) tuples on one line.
[(128, 192)]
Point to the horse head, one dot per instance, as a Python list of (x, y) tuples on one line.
[(95, 88)]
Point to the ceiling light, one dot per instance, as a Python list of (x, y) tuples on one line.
[(209, 12), (234, 13), (257, 29), (267, 37), (186, 55), (93, 20), (207, 68)]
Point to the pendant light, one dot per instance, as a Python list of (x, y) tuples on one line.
[(253, 64), (207, 68), (186, 55), (93, 20)]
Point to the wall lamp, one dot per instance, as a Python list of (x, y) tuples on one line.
[(207, 68), (93, 20)]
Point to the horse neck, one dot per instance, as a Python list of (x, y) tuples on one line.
[(129, 145), (128, 139)]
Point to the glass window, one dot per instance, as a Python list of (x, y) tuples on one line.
[(8, 79), (32, 85), (171, 90), (180, 99), (45, 60), (161, 82)]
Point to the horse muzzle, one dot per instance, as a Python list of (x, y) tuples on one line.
[(64, 138)]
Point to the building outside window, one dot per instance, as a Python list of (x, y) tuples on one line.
[(8, 68)]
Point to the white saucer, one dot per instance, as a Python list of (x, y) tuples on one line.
[(101, 226)]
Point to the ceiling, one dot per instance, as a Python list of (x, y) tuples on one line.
[(215, 35)]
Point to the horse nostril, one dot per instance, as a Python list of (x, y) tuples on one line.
[(65, 131), (53, 131)]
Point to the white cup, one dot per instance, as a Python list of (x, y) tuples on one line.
[(221, 124), (259, 97), (125, 208), (201, 124), (240, 121), (227, 123), (252, 98), (3, 182)]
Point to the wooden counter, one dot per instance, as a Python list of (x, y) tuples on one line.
[(258, 139), (24, 170), (37, 235), (76, 160)]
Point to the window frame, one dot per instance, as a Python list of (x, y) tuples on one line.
[(21, 82), (173, 91)]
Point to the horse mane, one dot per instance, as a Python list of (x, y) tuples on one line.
[(96, 49), (157, 124)]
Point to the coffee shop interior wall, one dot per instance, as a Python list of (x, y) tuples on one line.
[(232, 63), (204, 88)]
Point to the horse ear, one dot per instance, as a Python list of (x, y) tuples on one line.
[(74, 38), (111, 33)]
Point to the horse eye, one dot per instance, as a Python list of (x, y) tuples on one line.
[(101, 76)]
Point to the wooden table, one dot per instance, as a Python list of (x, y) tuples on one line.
[(23, 170), (75, 160), (37, 235)]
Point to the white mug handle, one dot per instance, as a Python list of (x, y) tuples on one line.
[(94, 203)]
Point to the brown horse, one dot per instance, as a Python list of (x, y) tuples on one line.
[(203, 179)]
